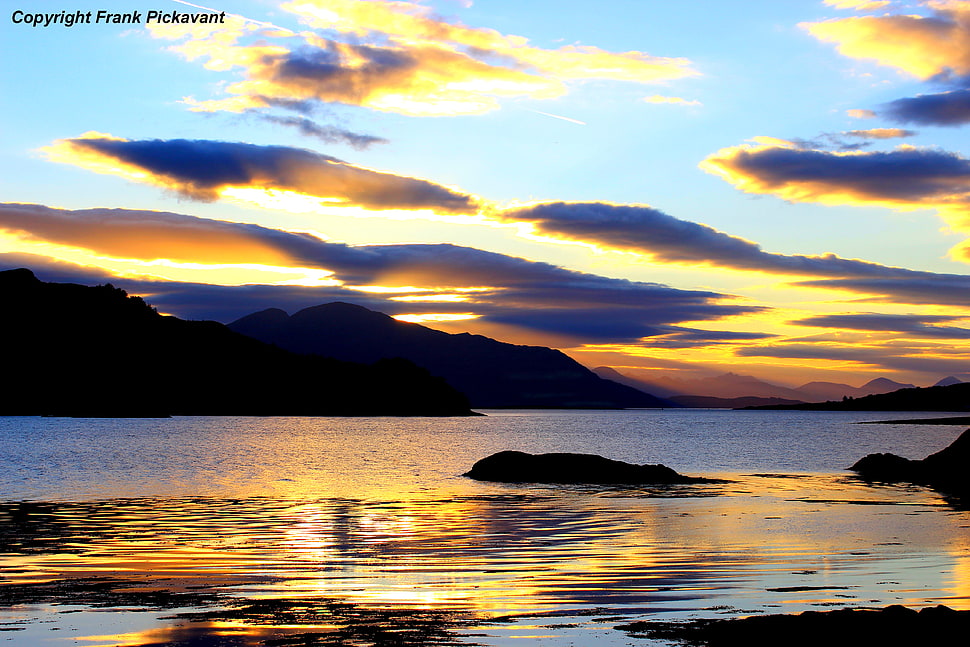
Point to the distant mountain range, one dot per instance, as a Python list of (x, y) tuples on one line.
[(952, 397), (733, 390), (492, 374), (71, 350)]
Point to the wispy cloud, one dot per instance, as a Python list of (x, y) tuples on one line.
[(926, 326), (326, 134)]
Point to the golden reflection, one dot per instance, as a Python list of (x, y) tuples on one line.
[(960, 573), (795, 540)]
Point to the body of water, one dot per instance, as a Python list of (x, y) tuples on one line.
[(354, 531)]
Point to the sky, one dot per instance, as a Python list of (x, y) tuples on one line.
[(777, 189)]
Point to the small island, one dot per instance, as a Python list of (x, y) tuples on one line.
[(573, 469), (946, 470)]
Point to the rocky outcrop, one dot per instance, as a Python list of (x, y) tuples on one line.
[(520, 467), (946, 470)]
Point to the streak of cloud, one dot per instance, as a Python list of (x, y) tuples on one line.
[(549, 114), (326, 134)]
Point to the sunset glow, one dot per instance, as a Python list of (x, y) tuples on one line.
[(442, 158)]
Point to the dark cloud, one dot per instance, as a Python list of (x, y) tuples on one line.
[(906, 176), (912, 325), (647, 230), (511, 290), (943, 109), (201, 168), (891, 358), (327, 134), (679, 337), (917, 288)]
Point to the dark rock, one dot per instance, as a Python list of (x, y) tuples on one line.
[(946, 470), (520, 467), (893, 626)]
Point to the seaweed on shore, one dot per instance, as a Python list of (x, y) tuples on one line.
[(106, 592), (282, 622), (346, 623)]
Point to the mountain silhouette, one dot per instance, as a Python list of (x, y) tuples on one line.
[(94, 351), (734, 390), (821, 391), (954, 397), (947, 381), (491, 373)]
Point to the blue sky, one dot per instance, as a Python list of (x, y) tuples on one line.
[(771, 188)]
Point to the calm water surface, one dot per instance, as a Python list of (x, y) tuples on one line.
[(152, 532)]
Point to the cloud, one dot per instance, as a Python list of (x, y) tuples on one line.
[(917, 288), (205, 169), (680, 337), (912, 325), (499, 288), (905, 178), (645, 230), (858, 5), (397, 57), (858, 113), (327, 134), (211, 169), (942, 109), (843, 141), (882, 357), (148, 235), (934, 48), (928, 47), (657, 98), (879, 133)]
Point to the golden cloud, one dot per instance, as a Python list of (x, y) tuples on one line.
[(397, 57), (925, 47), (657, 98)]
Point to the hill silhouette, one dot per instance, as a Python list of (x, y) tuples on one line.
[(95, 351), (732, 390), (954, 397), (491, 373)]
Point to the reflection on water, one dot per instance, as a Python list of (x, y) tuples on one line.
[(235, 531), (346, 567)]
